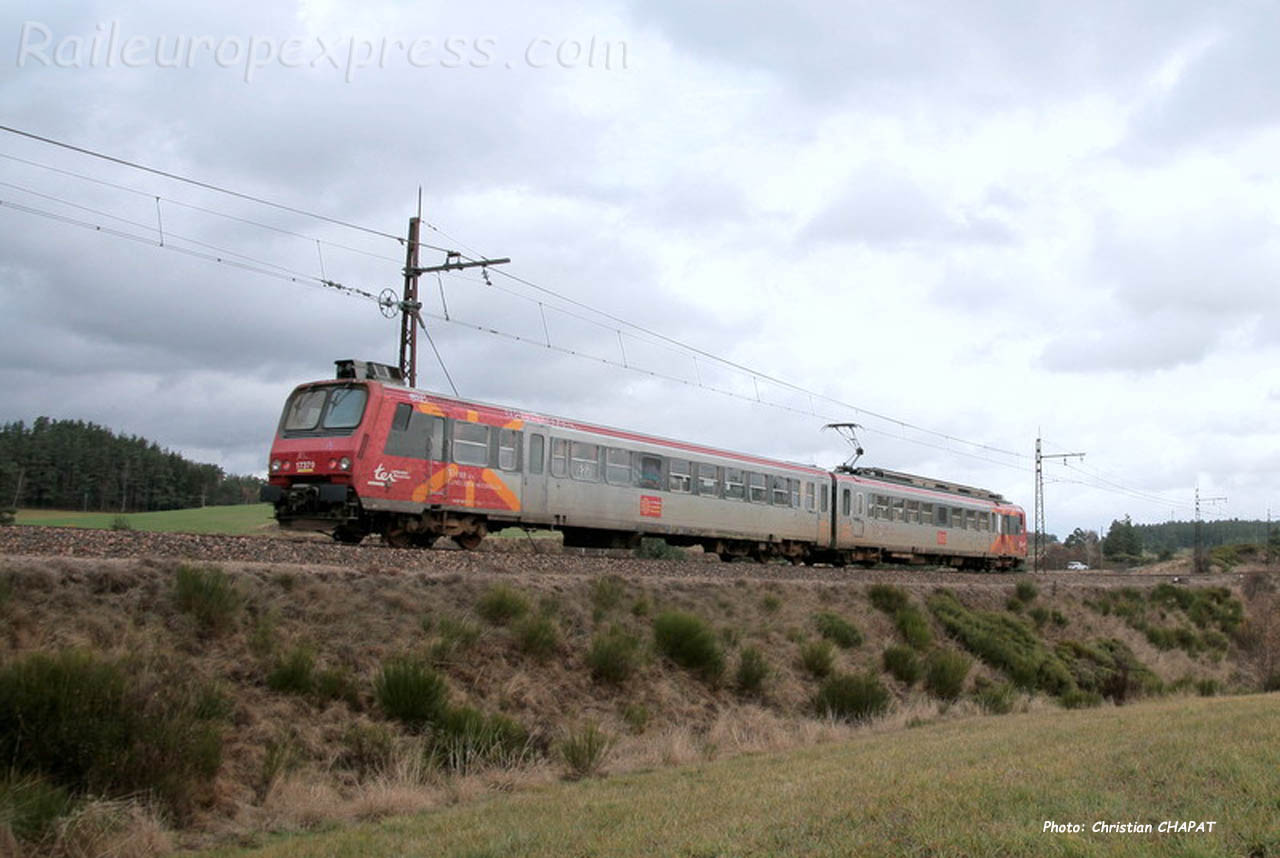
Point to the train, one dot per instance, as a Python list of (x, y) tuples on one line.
[(362, 454)]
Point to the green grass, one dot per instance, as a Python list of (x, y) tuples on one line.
[(982, 786), (241, 518)]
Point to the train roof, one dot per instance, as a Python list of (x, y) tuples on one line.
[(917, 481)]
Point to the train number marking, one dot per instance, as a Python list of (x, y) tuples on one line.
[(306, 466)]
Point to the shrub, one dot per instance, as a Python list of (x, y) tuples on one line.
[(901, 661), (1039, 615), (366, 749), (1208, 687), (888, 598), (818, 657), (994, 698), (837, 629), (690, 643), (208, 594), (653, 548), (1004, 642), (1108, 667), (1014, 605), (1025, 591), (121, 523), (538, 637), (613, 656), (852, 697), (641, 607), (1057, 618), (584, 750), (455, 635), (1272, 682), (914, 627), (770, 604), (294, 673), (1078, 699), (8, 515), (501, 604), (411, 693), (109, 728), (945, 671), (466, 739), (636, 715), (336, 683), (607, 593), (752, 672), (30, 805)]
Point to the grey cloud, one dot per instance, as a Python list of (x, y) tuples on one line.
[(1160, 341)]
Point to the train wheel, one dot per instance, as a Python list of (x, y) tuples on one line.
[(469, 541), (397, 538), (348, 537), (423, 540)]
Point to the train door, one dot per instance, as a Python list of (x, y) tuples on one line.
[(842, 513), (535, 477), (858, 519)]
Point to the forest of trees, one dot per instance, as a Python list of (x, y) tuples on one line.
[(71, 464)]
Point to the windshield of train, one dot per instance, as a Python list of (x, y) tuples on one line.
[(330, 410)]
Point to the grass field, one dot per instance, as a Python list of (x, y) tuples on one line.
[(242, 518), (974, 787)]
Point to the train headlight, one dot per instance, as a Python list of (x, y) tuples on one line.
[(284, 465), (333, 463), (344, 463), (275, 465)]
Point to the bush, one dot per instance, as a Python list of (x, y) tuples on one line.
[(1107, 667), (690, 643), (901, 661), (455, 636), (613, 656), (1272, 682), (945, 671), (818, 657), (584, 750), (466, 739), (501, 604), (770, 604), (294, 673), (108, 728), (838, 630), (888, 598), (607, 593), (538, 636), (8, 515), (753, 670), (994, 698), (1058, 619), (1004, 642), (1077, 699), (1025, 591), (336, 683), (208, 594), (653, 548), (121, 523), (852, 697), (1208, 687), (914, 627), (1039, 615), (636, 715), (411, 693), (30, 805)]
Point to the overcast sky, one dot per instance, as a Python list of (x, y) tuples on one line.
[(976, 222)]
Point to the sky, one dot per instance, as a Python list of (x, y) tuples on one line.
[(962, 226)]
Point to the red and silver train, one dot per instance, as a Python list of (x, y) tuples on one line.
[(363, 454)]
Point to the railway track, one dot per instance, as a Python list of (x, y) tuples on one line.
[(502, 557)]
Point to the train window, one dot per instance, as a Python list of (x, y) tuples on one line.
[(757, 488), (559, 457), (781, 496), (846, 503), (303, 412), (984, 521), (957, 518), (940, 517), (733, 484), (678, 479), (537, 449), (926, 513), (415, 435), (970, 519), (858, 505), (823, 493), (584, 462), (708, 481), (912, 512), (880, 507), (1014, 527), (795, 494), (897, 509), (617, 467), (400, 422), (346, 407), (509, 449), (810, 497), (648, 472), (470, 443)]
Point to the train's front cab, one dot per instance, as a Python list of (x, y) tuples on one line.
[(318, 446)]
